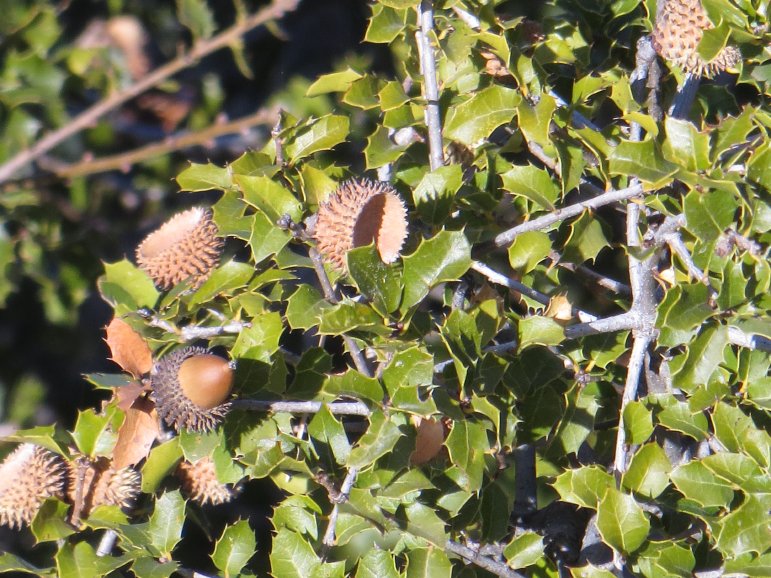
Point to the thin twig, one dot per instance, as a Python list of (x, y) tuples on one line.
[(194, 332), (106, 543), (342, 496), (495, 567), (621, 322), (88, 117), (430, 86), (329, 293), (153, 151), (505, 238), (335, 408), (278, 142), (605, 282), (471, 21)]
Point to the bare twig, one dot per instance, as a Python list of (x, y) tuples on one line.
[(278, 142), (621, 322), (87, 118), (546, 221), (342, 496), (604, 282), (329, 294), (153, 151), (106, 543), (686, 93), (430, 86), (193, 332), (495, 567), (335, 408)]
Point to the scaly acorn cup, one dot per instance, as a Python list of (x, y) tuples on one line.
[(359, 212), (680, 26), (95, 482), (184, 247), (29, 476), (191, 387), (200, 483)]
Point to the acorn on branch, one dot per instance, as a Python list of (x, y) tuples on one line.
[(200, 483), (95, 482), (184, 247), (28, 476), (680, 26), (358, 213), (191, 388)]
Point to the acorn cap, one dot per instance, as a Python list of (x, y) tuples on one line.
[(100, 484), (186, 378), (680, 25), (186, 246), (28, 476), (359, 212), (200, 483)]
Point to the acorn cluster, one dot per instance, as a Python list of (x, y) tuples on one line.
[(31, 474), (187, 246), (358, 213), (680, 26), (191, 388)]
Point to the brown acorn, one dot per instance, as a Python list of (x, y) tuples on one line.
[(191, 388), (95, 482), (680, 26), (359, 212), (185, 247), (200, 483), (28, 476)]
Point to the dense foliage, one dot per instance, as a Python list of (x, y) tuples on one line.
[(496, 365)]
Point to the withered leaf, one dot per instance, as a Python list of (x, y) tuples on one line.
[(128, 348), (137, 434), (431, 435)]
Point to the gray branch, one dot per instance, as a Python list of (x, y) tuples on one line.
[(430, 86), (336, 408), (495, 567)]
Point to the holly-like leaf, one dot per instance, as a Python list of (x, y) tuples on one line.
[(234, 548), (621, 521)]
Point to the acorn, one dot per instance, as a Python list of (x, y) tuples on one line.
[(28, 476), (95, 482), (680, 26), (185, 247), (200, 483), (358, 213), (191, 387)]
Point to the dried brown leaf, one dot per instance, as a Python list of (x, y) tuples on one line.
[(137, 434), (128, 348), (430, 440)]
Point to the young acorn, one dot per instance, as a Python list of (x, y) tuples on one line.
[(191, 387)]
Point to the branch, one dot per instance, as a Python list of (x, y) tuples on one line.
[(686, 93), (622, 322), (493, 566), (335, 408), (430, 86), (173, 143), (107, 543), (549, 219), (342, 496), (88, 117), (193, 332)]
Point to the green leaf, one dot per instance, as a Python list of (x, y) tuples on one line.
[(381, 150), (392, 96), (642, 160), (584, 486), (444, 257), (78, 560), (380, 438), (50, 523), (266, 238), (586, 239), (535, 121), (705, 354), (196, 16), (759, 166), (260, 340), (148, 567), (686, 145), (234, 548), (648, 472), (223, 280), (349, 316), (206, 177), (709, 213), (165, 524), (679, 417), (539, 330), (45, 436), (329, 438), (621, 522), (317, 135), (292, 556), (524, 550), (666, 559), (713, 40), (532, 183), (435, 193), (377, 564), (126, 287), (297, 513), (304, 307), (746, 529), (698, 483), (161, 461), (428, 563), (94, 434), (684, 308), (638, 422), (269, 197), (334, 82), (380, 283), (385, 24), (528, 250), (467, 444), (474, 120), (363, 93), (354, 384), (11, 563)]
